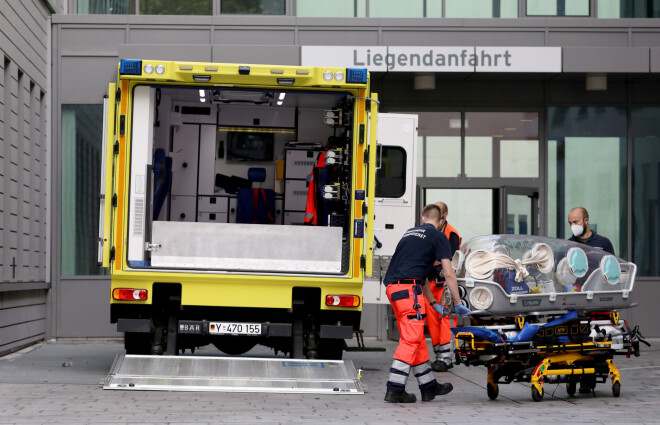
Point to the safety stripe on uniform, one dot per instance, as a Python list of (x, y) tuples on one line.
[(444, 348), (397, 378), (425, 377), (308, 215), (401, 366)]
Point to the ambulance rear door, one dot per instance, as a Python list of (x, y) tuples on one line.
[(395, 195)]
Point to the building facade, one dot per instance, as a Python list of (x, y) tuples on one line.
[(527, 108)]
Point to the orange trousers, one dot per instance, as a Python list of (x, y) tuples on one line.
[(412, 347), (439, 326)]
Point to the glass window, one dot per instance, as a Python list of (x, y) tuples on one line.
[(391, 176), (443, 156), (478, 156), (628, 9), (587, 168), (478, 9), (646, 190), (468, 220), (81, 181), (441, 133), (331, 9), (253, 7), (176, 7), (396, 9), (558, 8), (105, 7)]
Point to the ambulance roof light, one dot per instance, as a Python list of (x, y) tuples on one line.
[(356, 75), (130, 67)]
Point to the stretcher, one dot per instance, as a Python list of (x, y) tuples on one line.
[(544, 311)]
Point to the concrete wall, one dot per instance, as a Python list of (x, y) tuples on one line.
[(86, 49), (24, 86)]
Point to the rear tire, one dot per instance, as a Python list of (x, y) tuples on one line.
[(536, 395), (616, 389)]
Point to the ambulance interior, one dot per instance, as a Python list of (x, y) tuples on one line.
[(221, 179)]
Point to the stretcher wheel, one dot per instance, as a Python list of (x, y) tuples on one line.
[(570, 388), (616, 389), (536, 395), (493, 391)]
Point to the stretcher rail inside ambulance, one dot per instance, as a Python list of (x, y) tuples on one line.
[(237, 195)]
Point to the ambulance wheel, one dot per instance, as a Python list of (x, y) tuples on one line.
[(536, 395), (493, 391), (570, 388), (616, 389)]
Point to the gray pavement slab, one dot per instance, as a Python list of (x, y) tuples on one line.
[(60, 383)]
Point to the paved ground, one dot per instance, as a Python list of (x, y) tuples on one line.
[(60, 383)]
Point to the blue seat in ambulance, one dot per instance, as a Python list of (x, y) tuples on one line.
[(256, 205), (162, 168)]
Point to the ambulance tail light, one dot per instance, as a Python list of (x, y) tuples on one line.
[(129, 294), (342, 300), (130, 67), (356, 75)]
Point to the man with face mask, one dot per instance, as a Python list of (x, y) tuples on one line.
[(578, 219)]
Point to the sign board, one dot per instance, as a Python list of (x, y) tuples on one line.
[(435, 58)]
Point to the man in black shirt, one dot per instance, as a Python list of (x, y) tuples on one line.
[(405, 280), (578, 219)]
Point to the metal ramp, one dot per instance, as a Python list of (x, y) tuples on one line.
[(233, 374)]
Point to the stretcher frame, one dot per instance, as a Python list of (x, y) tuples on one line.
[(537, 362)]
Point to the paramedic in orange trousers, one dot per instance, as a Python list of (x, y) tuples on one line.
[(439, 325), (405, 281)]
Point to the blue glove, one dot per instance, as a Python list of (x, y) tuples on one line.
[(437, 307), (461, 310)]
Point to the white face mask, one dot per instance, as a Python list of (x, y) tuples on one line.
[(577, 230)]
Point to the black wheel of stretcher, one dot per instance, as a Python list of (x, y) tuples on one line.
[(570, 388), (536, 395), (616, 389), (493, 391)]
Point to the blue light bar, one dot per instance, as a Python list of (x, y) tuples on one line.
[(356, 75), (130, 67)]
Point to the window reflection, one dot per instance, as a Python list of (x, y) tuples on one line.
[(391, 176), (478, 9), (394, 9), (175, 7), (558, 8), (587, 168), (81, 181), (646, 190), (333, 9), (253, 7), (105, 7), (468, 220)]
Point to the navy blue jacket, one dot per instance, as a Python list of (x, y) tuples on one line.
[(596, 241), (416, 252)]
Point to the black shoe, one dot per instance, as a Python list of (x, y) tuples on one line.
[(440, 389), (403, 397), (585, 389), (441, 366)]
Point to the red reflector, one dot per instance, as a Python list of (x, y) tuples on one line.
[(129, 294), (342, 300)]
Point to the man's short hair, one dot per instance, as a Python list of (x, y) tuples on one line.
[(583, 210), (432, 212)]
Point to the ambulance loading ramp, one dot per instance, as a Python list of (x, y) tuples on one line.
[(222, 374)]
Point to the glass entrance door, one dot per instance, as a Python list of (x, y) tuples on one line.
[(519, 211)]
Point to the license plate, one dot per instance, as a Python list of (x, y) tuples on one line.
[(222, 328)]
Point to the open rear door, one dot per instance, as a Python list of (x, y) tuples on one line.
[(371, 185), (394, 195), (105, 208)]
